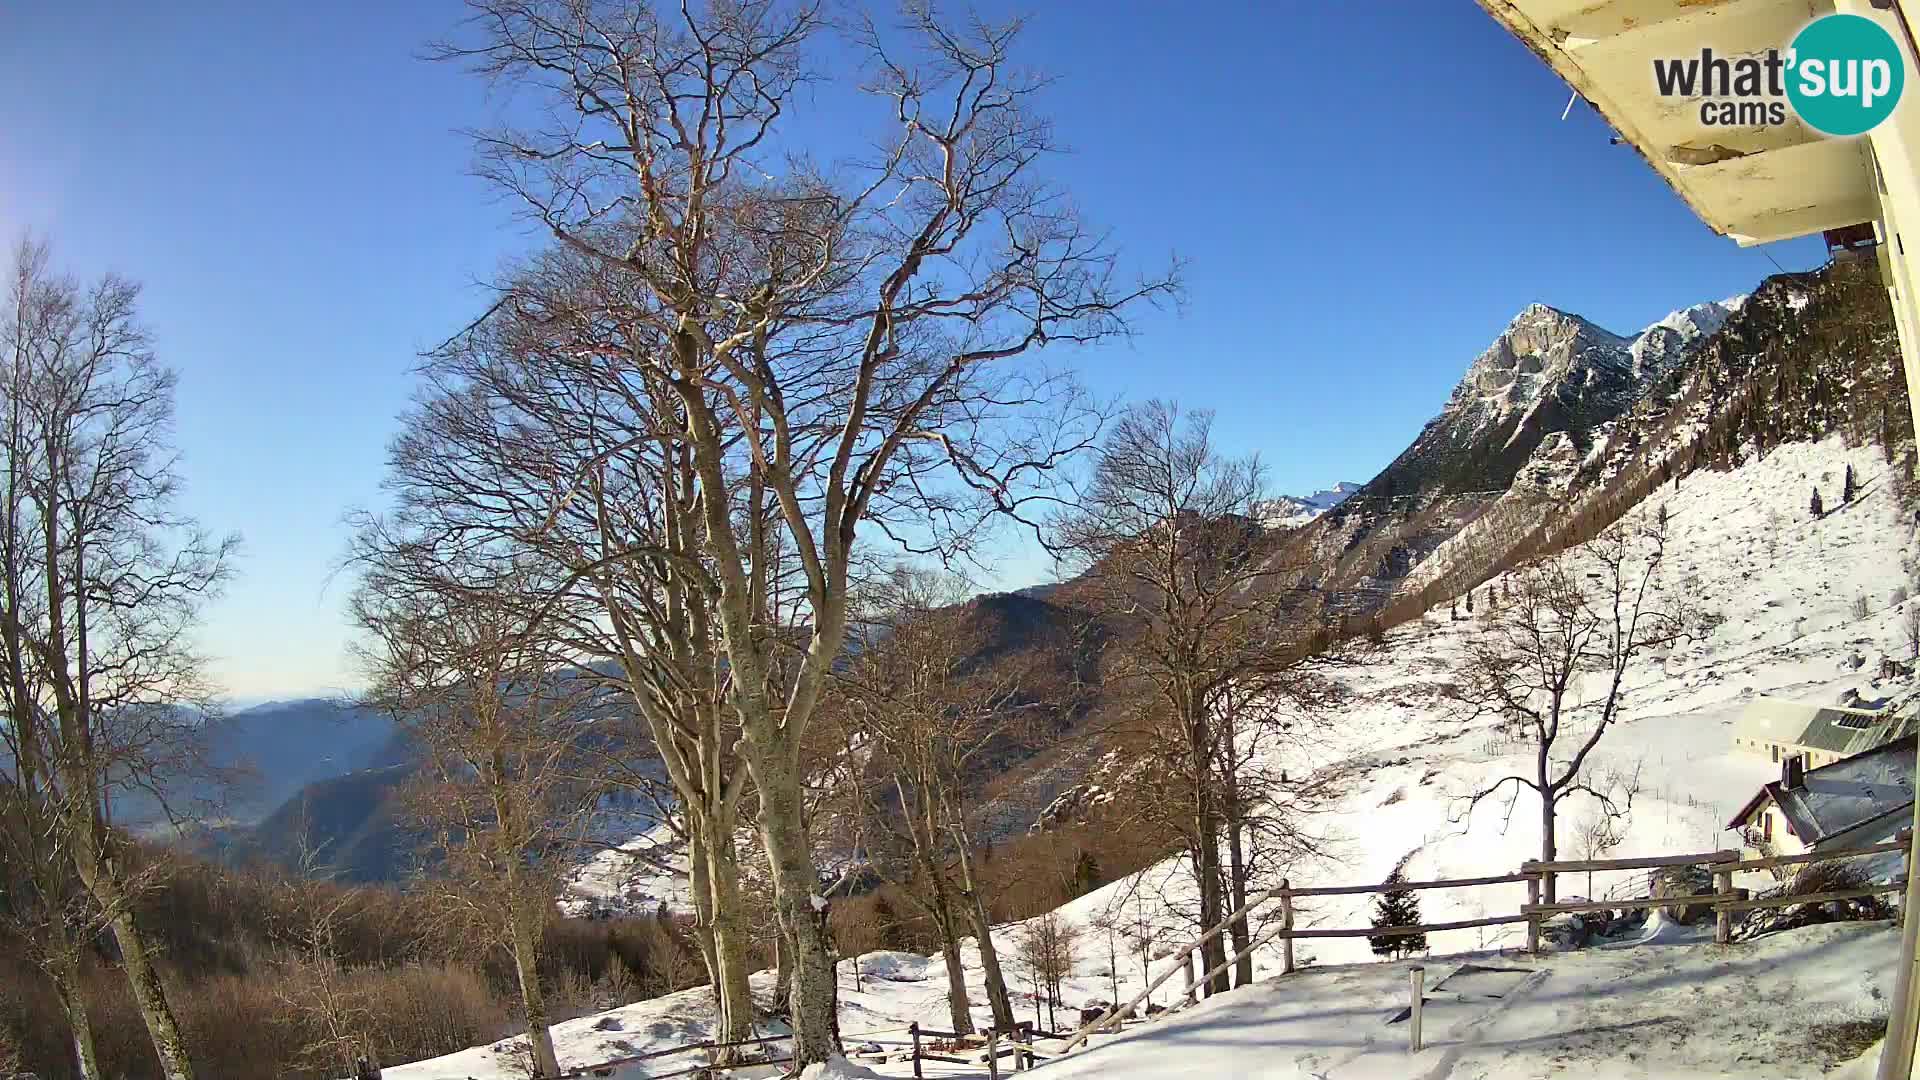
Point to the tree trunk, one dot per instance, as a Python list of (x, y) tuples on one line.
[(998, 1000), (66, 983), (1205, 849), (148, 992), (922, 828), (730, 940), (700, 889), (959, 1009), (1549, 845), (526, 960), (782, 965), (1214, 953), (1549, 850), (802, 911), (1240, 932)]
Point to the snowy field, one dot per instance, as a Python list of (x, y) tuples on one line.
[(1782, 589)]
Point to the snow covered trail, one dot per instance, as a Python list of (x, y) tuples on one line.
[(1762, 1009)]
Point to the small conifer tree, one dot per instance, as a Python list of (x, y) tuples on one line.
[(1397, 908), (1848, 488), (1817, 509)]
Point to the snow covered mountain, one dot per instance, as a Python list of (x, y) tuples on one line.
[(1549, 372), (1328, 498), (1662, 346), (1293, 511)]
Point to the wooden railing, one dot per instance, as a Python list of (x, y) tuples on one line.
[(1288, 934), (1725, 900)]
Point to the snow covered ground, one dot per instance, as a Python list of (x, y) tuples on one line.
[(1782, 589), (1772, 1008)]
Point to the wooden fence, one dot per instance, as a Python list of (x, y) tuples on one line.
[(1725, 900)]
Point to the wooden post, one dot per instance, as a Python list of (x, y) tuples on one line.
[(993, 1054), (913, 1029), (1186, 972), (1023, 1053), (1417, 975), (1899, 899), (1286, 920), (1533, 921), (1723, 918)]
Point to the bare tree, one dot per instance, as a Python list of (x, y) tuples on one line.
[(1168, 529), (1910, 625), (47, 906), (1552, 664), (830, 337), (916, 699), (1598, 834), (1049, 945), (458, 660), (105, 582), (538, 389), (323, 992)]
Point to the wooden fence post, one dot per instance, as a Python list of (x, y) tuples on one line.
[(913, 1029), (1533, 919), (1023, 1053), (1722, 916), (1286, 920), (1186, 972), (1418, 976), (1899, 898), (993, 1054)]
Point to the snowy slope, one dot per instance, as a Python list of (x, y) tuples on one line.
[(1781, 588), (1629, 1013)]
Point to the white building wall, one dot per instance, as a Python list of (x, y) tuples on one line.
[(1896, 154)]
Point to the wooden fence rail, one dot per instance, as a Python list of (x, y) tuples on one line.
[(1399, 886), (1771, 861)]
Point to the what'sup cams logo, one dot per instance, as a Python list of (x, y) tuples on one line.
[(1842, 75)]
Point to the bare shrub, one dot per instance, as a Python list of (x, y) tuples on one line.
[(1049, 946), (1812, 880), (1862, 607)]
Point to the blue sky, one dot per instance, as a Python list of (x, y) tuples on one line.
[(1365, 193)]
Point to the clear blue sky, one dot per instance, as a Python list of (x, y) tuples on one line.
[(1366, 192)]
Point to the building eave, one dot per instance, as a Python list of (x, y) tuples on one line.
[(1754, 184)]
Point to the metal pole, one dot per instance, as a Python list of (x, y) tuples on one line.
[(1417, 975), (1896, 1057)]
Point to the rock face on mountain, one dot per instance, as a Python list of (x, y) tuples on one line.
[(1549, 372), (1528, 415)]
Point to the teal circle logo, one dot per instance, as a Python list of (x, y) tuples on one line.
[(1844, 74)]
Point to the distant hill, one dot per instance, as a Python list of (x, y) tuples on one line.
[(347, 828), (282, 746)]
